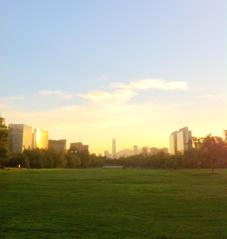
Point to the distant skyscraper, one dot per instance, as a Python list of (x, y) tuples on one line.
[(135, 149), (20, 137), (40, 139), (79, 147), (57, 145), (114, 150), (184, 140), (173, 143), (180, 141)]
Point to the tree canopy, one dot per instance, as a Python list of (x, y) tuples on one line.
[(3, 143)]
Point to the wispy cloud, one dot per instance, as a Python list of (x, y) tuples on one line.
[(213, 96), (155, 84), (12, 98), (118, 96), (56, 93), (120, 93)]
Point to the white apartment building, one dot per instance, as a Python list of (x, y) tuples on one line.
[(20, 137), (180, 141), (173, 143)]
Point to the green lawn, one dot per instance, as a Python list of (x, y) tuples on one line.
[(113, 204)]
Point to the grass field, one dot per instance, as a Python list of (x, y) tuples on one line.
[(113, 204)]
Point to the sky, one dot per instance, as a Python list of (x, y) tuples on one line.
[(135, 70)]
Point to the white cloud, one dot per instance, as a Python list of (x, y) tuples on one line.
[(73, 117), (121, 93), (214, 96), (12, 98), (96, 95), (155, 84), (118, 96), (57, 93)]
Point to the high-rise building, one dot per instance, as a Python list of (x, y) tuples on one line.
[(40, 139), (184, 140), (173, 143), (225, 135), (79, 147), (20, 137), (57, 145), (114, 149), (180, 141)]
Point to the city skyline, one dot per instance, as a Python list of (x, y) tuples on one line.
[(134, 70), (180, 141)]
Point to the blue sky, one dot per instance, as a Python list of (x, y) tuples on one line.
[(54, 54)]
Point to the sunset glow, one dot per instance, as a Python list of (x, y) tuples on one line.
[(113, 119), (134, 75)]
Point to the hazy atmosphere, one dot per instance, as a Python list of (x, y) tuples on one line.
[(131, 69), (113, 119)]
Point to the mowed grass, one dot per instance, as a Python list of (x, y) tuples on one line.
[(113, 204)]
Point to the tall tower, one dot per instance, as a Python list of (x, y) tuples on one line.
[(114, 148)]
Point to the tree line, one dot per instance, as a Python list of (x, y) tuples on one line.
[(208, 152), (40, 158)]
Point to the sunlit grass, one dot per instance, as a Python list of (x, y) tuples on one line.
[(107, 203)]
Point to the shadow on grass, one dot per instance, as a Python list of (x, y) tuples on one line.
[(162, 237), (50, 231), (42, 230)]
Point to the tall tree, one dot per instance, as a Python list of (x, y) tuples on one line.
[(213, 148), (3, 143)]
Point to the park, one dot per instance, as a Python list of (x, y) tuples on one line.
[(113, 203)]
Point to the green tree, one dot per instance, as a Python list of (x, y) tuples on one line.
[(4, 132), (35, 157), (72, 160), (53, 159), (19, 159), (213, 149)]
